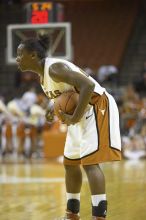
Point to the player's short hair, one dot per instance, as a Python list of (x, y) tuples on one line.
[(40, 45)]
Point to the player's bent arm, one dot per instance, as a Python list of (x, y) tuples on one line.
[(60, 72)]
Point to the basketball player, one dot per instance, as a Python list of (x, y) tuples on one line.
[(93, 135)]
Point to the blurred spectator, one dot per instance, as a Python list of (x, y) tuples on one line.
[(3, 108), (143, 133), (131, 106), (23, 121), (22, 125), (133, 124), (141, 120), (134, 147), (5, 127), (106, 73), (3, 111), (28, 99), (15, 108), (140, 85)]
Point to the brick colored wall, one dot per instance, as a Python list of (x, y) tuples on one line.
[(100, 30)]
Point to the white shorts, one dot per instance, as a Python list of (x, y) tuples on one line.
[(96, 138)]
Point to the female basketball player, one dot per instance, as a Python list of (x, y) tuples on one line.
[(93, 130)]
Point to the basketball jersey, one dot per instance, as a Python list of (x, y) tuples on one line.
[(96, 140), (53, 89)]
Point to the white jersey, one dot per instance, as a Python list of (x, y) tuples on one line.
[(53, 89), (96, 137)]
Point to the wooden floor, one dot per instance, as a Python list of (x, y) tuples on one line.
[(36, 191)]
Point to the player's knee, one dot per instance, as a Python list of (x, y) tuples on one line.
[(71, 168), (89, 168)]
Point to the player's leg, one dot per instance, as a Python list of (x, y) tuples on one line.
[(97, 187), (101, 135), (73, 180), (73, 174)]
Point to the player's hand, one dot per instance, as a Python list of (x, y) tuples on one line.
[(66, 118), (49, 115)]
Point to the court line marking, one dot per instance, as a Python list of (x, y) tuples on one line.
[(16, 180), (28, 180)]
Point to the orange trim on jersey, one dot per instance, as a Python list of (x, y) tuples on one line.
[(106, 155), (105, 152), (68, 161)]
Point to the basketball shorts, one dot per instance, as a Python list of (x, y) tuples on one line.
[(96, 138)]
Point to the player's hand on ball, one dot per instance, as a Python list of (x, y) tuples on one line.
[(66, 118), (50, 115)]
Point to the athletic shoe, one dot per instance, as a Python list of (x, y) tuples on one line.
[(71, 216)]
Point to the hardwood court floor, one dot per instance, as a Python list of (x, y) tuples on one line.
[(36, 191)]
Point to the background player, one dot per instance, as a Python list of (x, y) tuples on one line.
[(97, 124)]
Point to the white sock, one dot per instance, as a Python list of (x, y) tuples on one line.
[(73, 196), (97, 198)]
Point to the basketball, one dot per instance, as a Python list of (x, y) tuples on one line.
[(66, 102)]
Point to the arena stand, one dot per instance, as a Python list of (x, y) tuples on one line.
[(25, 134)]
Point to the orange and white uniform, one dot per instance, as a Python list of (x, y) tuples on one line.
[(96, 138)]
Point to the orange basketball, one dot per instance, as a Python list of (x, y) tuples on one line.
[(66, 102)]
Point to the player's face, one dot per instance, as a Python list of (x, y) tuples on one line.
[(24, 58)]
